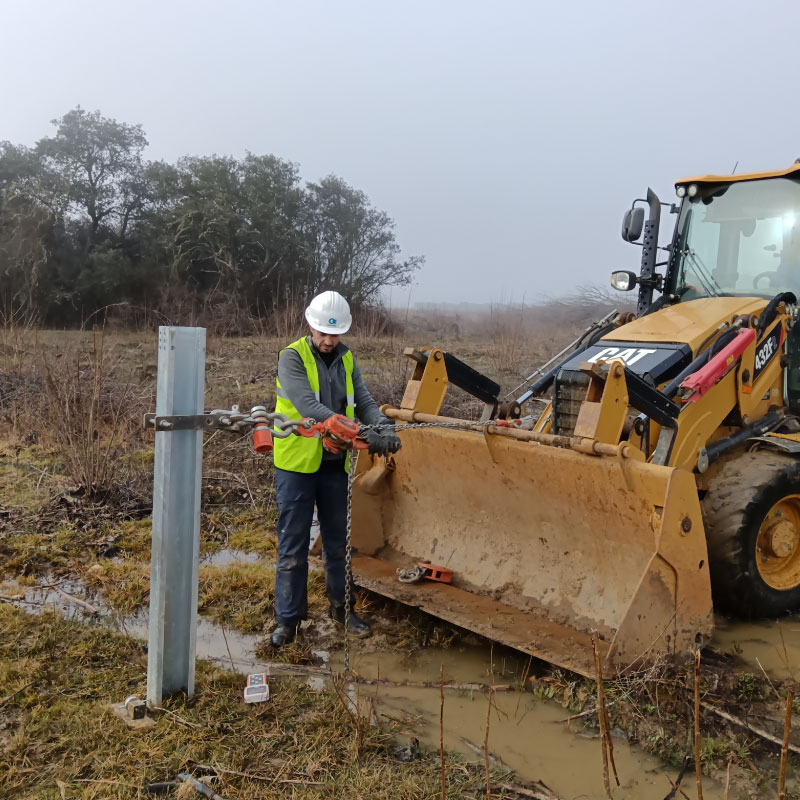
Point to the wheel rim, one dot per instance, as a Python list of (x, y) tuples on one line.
[(778, 544)]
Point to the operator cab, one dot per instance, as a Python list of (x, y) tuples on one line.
[(740, 238), (735, 236)]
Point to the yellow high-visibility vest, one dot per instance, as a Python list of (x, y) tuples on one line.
[(298, 453)]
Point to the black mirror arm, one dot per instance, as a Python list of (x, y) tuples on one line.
[(655, 281)]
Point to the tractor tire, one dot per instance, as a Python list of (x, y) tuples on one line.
[(751, 513)]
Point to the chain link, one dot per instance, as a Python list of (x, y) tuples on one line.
[(406, 425), (236, 421), (282, 426), (348, 560), (467, 425), (289, 426)]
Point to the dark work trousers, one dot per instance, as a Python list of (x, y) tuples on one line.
[(298, 492)]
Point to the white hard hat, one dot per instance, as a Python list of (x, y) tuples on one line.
[(329, 312)]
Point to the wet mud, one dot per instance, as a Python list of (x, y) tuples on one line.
[(762, 646), (527, 733)]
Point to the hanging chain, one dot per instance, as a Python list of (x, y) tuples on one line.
[(348, 559), (348, 569)]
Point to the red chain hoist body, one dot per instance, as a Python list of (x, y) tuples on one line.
[(337, 433)]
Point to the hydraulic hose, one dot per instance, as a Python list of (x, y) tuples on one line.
[(768, 314), (671, 389), (708, 455)]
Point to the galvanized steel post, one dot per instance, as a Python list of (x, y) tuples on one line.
[(176, 516)]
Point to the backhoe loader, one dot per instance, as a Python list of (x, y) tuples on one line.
[(662, 473)]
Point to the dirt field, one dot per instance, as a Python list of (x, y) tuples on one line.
[(75, 499)]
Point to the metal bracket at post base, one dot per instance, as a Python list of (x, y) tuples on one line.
[(133, 712)]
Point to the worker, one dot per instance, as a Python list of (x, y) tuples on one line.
[(318, 376)]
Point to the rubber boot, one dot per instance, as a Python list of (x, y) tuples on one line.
[(282, 635), (356, 625)]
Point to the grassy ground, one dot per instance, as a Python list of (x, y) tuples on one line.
[(75, 506), (59, 738), (75, 500)]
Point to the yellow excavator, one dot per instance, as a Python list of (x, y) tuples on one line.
[(663, 472)]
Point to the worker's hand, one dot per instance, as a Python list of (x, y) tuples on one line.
[(376, 443), (393, 443), (382, 442)]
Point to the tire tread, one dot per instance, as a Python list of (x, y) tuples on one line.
[(735, 495)]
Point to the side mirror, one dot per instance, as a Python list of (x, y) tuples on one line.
[(623, 280), (632, 224)]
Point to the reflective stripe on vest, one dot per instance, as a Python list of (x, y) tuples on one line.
[(298, 453)]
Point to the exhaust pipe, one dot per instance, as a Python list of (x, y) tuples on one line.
[(649, 253)]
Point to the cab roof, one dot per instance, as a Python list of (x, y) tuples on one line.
[(750, 176)]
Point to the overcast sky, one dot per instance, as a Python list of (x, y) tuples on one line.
[(505, 139)]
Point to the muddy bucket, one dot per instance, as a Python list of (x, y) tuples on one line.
[(547, 545)]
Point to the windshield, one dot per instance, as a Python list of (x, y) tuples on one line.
[(738, 239)]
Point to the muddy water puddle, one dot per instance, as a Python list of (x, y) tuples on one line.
[(772, 646), (231, 649), (526, 733)]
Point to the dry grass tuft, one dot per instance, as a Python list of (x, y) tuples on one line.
[(238, 595), (125, 586), (91, 402)]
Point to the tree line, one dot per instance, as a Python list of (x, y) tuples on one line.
[(88, 224)]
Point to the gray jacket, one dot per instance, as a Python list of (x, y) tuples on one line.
[(332, 387)]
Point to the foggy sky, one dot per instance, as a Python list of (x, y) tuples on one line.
[(505, 139)]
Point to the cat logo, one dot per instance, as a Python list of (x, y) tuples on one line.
[(628, 355)]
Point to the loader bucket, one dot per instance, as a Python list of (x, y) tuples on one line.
[(547, 545)]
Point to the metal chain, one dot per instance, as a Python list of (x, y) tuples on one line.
[(282, 427), (291, 425), (348, 559), (466, 424), (234, 420)]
